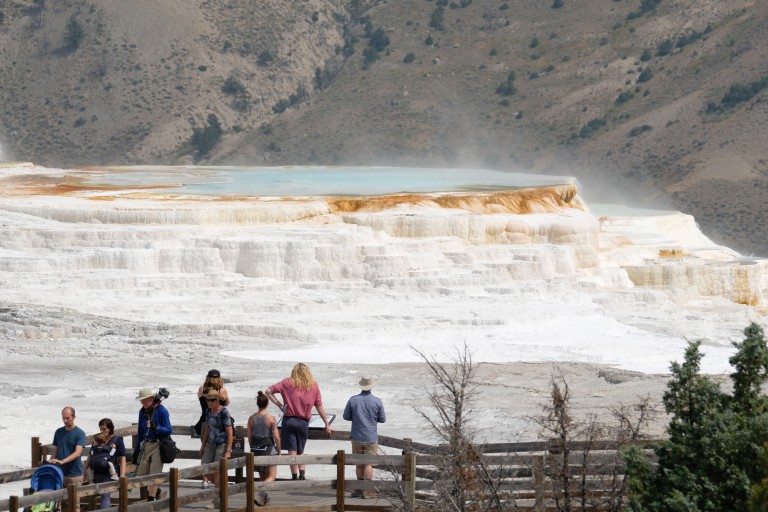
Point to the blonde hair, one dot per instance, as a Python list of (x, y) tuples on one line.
[(213, 383), (301, 377)]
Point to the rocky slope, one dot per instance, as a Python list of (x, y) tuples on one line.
[(587, 100)]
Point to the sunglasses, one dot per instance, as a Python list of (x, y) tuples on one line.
[(212, 399)]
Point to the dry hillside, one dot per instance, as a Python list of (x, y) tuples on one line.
[(615, 92)]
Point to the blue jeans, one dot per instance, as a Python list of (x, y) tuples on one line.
[(106, 501)]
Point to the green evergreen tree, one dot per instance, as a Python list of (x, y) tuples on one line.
[(708, 463)]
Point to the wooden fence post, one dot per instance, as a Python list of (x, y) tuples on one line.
[(173, 490), (122, 495), (249, 487), (36, 452), (340, 475), (13, 504), (73, 502), (409, 480), (538, 483), (223, 484)]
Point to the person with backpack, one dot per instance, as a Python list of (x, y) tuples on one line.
[(218, 434), (106, 458), (213, 381)]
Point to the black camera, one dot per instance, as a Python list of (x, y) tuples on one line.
[(161, 395)]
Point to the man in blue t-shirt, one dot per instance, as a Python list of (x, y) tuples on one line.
[(365, 411), (68, 444)]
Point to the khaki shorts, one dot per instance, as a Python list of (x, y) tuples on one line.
[(212, 453), (77, 480), (365, 448), (149, 461)]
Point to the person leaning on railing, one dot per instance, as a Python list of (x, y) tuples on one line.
[(299, 392), (364, 411)]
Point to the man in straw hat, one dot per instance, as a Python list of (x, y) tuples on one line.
[(154, 424), (365, 411)]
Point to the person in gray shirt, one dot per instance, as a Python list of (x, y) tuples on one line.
[(365, 411)]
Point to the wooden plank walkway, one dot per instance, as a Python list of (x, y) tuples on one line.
[(322, 499)]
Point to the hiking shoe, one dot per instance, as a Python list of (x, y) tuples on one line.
[(261, 499)]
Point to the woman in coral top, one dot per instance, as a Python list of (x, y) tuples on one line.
[(299, 393)]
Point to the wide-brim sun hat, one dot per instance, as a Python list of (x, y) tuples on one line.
[(145, 393), (367, 382), (212, 394)]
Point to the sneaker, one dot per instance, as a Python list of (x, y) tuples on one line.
[(357, 493), (261, 499), (205, 484)]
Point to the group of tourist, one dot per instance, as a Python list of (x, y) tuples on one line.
[(298, 394)]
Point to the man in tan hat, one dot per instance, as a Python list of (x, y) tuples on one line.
[(365, 411), (154, 424)]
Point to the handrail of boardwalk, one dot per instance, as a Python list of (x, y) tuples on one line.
[(526, 476)]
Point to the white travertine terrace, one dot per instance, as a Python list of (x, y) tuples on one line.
[(525, 275)]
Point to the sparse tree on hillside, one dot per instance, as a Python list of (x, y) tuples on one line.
[(205, 139), (73, 33)]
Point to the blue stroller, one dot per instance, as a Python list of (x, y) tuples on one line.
[(46, 478)]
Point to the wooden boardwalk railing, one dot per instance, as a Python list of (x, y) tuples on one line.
[(526, 473)]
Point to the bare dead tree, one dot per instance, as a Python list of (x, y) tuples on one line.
[(558, 425), (572, 472), (632, 421), (464, 481)]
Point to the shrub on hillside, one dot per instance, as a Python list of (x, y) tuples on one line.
[(557, 4), (624, 97), (645, 75), (639, 130), (232, 86), (378, 40), (507, 88), (591, 127), (646, 55), (265, 58), (665, 47), (410, 57)]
